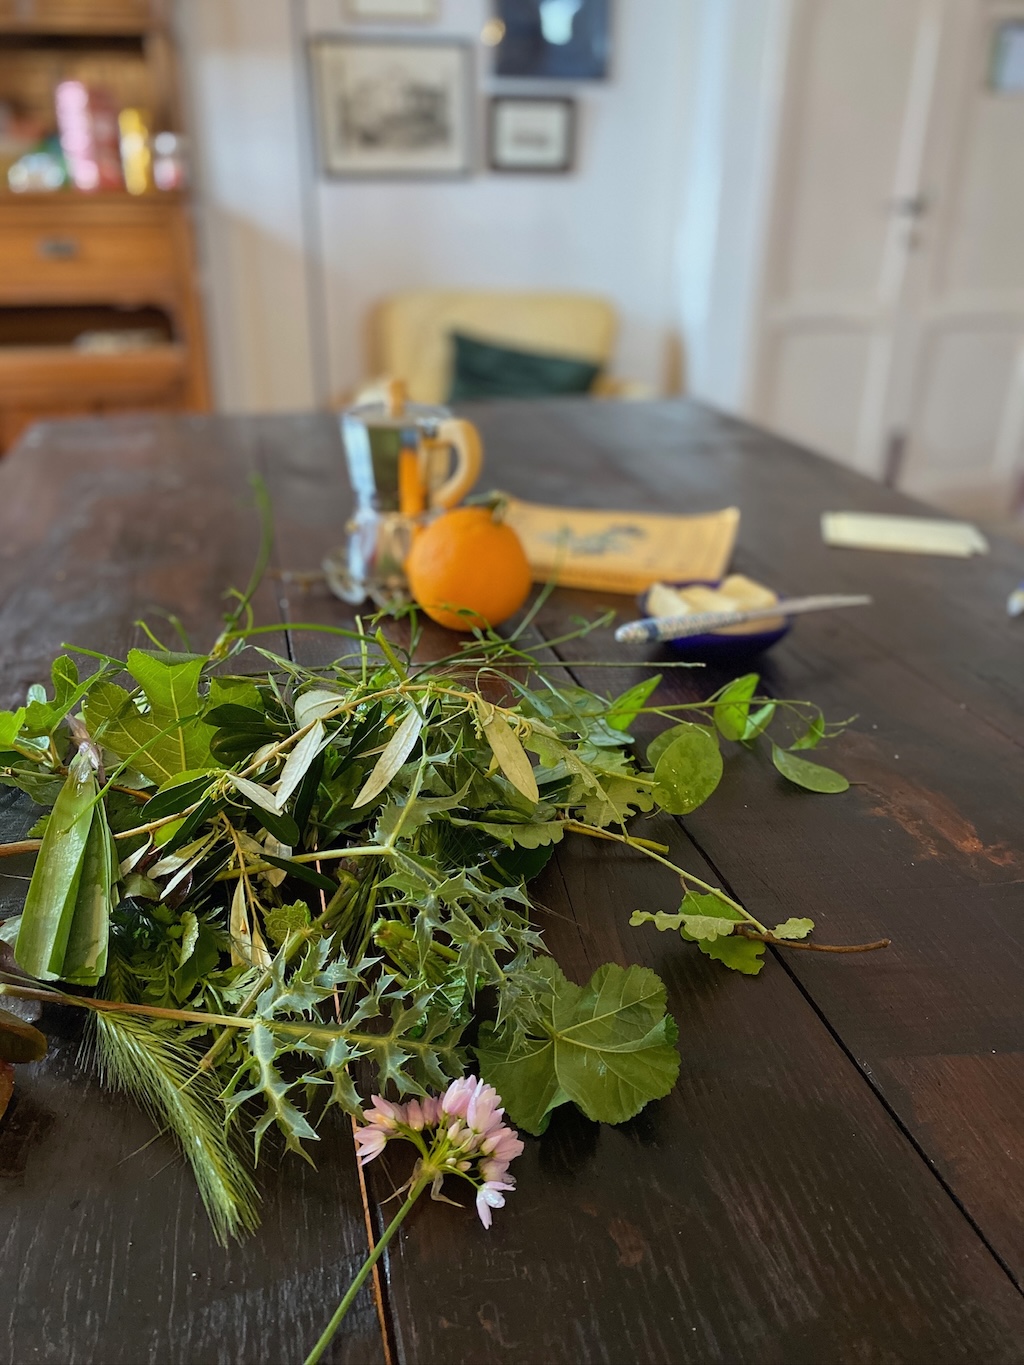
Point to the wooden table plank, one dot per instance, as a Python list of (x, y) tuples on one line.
[(928, 846), (771, 1179), (105, 1243)]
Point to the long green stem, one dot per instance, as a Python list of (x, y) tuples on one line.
[(368, 1264), (642, 844)]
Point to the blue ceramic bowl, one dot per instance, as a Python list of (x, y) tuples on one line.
[(718, 648)]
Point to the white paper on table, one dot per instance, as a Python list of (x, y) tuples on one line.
[(909, 535)]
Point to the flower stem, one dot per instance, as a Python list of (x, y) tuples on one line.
[(367, 1266)]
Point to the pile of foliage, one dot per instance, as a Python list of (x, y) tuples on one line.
[(296, 887)]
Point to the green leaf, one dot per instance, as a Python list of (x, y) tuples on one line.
[(298, 764), (10, 726), (688, 771), (53, 890), (315, 705), (811, 776), (85, 957), (740, 954), (733, 706), (20, 1042), (813, 735), (397, 750), (758, 721), (608, 1046), (159, 743), (702, 920), (616, 800), (511, 756), (794, 928), (625, 708), (525, 1080)]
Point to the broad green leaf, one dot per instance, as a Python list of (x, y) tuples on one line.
[(42, 716), (811, 776), (19, 1041), (813, 735), (525, 1080), (10, 726), (733, 706), (238, 690), (158, 743), (172, 690), (511, 756), (625, 708), (53, 890), (744, 955), (660, 743), (794, 928), (700, 913), (298, 763), (688, 771), (398, 749), (616, 801), (614, 1043)]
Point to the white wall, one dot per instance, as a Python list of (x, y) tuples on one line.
[(296, 261)]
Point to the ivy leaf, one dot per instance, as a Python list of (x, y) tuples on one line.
[(397, 750), (811, 776), (688, 771), (20, 1042), (625, 708), (794, 928), (511, 756), (733, 706)]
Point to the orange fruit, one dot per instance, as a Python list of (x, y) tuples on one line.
[(468, 560)]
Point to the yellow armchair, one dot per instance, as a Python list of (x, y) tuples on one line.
[(411, 334)]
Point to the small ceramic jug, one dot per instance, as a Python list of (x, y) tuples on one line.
[(404, 460)]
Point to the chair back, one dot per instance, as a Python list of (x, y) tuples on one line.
[(412, 331)]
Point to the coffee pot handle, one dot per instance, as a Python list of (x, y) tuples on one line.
[(462, 437)]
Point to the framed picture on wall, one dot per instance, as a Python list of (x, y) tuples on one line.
[(531, 134), (402, 11), (392, 107), (567, 40)]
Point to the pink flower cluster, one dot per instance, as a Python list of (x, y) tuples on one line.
[(465, 1132)]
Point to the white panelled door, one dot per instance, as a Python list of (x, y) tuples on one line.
[(891, 329)]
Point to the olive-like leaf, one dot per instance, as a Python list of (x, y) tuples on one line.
[(811, 776), (511, 756), (298, 764), (688, 771), (398, 749), (625, 708)]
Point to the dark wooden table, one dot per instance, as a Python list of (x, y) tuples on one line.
[(839, 1176)]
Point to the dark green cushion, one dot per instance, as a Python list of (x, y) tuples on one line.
[(482, 369)]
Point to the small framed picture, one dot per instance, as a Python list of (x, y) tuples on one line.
[(566, 40), (1007, 69), (400, 11), (392, 107), (531, 133)]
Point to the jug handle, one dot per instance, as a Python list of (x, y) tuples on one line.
[(464, 438)]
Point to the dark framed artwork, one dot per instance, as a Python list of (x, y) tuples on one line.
[(531, 134), (392, 107), (561, 39)]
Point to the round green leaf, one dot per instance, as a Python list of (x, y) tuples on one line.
[(660, 743), (688, 771), (811, 776)]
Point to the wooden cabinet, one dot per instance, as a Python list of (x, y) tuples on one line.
[(79, 271)]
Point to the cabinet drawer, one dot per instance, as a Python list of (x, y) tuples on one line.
[(79, 16), (84, 263)]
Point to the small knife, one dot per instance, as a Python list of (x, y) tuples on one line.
[(653, 628)]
